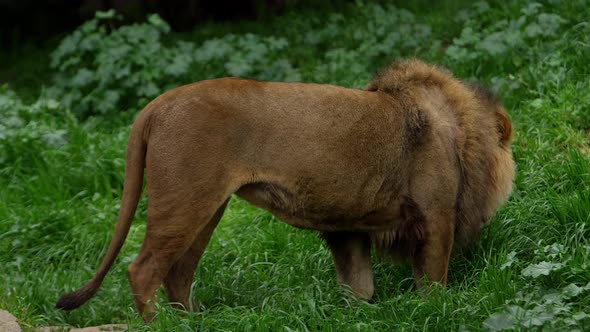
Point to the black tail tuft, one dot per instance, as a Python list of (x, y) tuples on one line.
[(75, 299)]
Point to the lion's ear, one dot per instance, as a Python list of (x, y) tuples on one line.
[(504, 127), (372, 86)]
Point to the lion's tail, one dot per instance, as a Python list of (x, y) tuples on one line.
[(135, 163)]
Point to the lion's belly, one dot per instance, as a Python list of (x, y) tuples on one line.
[(314, 210)]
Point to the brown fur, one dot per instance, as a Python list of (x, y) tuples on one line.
[(415, 162)]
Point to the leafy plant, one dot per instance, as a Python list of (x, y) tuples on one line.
[(248, 56), (507, 43), (27, 130), (369, 40), (61, 175), (103, 69), (544, 307)]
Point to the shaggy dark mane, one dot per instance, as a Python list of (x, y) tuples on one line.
[(404, 74), (475, 107)]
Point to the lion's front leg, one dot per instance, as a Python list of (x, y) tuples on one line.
[(352, 256), (431, 261)]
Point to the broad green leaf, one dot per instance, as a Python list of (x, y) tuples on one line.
[(499, 322), (493, 44), (82, 78), (537, 103), (179, 65), (533, 30), (56, 139), (572, 290), (531, 9), (238, 68), (510, 259), (537, 320), (481, 7), (543, 268), (580, 316), (550, 23), (105, 14), (52, 104), (158, 22)]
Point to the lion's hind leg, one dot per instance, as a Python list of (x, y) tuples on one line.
[(179, 279), (351, 253), (177, 217)]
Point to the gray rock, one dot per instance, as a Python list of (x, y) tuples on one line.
[(8, 322), (102, 328)]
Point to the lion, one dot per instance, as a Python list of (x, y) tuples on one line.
[(411, 165)]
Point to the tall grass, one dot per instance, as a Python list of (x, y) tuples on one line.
[(62, 162)]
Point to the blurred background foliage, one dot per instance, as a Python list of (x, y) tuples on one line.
[(35, 21), (74, 74)]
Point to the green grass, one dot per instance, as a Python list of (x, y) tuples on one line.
[(62, 161)]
